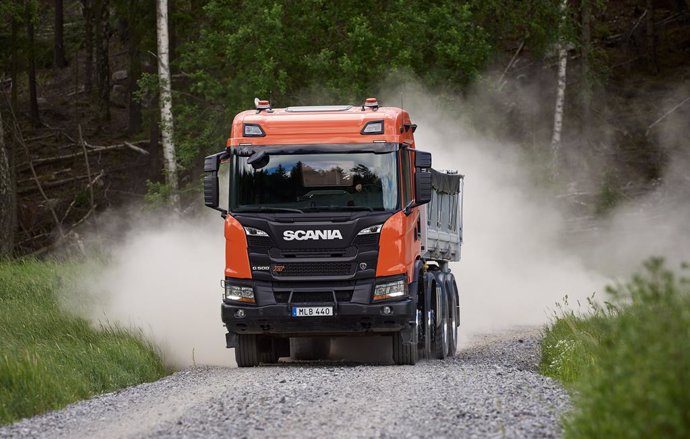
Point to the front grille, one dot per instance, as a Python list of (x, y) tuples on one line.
[(313, 269), (258, 241), (370, 239), (330, 252), (307, 297)]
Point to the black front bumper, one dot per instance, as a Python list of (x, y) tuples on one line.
[(348, 319)]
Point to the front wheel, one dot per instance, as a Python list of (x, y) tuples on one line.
[(404, 352), (247, 353)]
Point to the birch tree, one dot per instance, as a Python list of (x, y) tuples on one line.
[(562, 49), (166, 99)]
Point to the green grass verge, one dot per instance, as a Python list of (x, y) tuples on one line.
[(50, 358), (626, 363)]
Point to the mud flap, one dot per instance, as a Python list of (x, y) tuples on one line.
[(409, 335), (230, 340)]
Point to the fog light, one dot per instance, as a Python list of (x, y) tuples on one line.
[(387, 310), (239, 314)]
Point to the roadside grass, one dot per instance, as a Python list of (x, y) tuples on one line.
[(50, 358), (627, 362)]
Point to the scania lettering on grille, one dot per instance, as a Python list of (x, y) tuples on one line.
[(301, 235)]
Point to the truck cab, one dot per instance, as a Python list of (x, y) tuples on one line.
[(324, 230)]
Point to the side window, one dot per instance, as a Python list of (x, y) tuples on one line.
[(224, 184), (406, 176)]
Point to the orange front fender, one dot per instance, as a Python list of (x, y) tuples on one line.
[(236, 254), (398, 245)]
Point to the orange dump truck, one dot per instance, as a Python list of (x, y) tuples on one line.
[(335, 225)]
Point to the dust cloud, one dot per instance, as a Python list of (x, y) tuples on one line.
[(163, 278), (520, 256)]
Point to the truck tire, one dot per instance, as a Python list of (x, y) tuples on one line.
[(247, 351), (454, 317), (310, 348), (439, 327), (404, 353), (270, 350)]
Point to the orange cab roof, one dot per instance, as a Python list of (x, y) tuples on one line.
[(334, 124)]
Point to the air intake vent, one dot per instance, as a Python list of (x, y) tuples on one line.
[(313, 269)]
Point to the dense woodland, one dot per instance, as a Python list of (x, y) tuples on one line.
[(80, 125)]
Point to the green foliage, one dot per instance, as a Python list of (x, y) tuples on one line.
[(49, 358), (608, 197), (627, 362), (157, 194), (317, 51)]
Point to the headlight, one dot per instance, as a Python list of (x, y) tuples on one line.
[(390, 290), (370, 230), (239, 294), (251, 231)]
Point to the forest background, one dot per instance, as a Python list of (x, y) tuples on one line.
[(79, 105)]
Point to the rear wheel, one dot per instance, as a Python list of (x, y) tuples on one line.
[(247, 352), (453, 323), (439, 325), (404, 353)]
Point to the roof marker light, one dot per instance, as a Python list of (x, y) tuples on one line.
[(373, 127), (262, 104), (370, 103)]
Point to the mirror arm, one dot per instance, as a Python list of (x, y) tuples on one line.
[(408, 209)]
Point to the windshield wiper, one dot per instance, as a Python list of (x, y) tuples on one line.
[(267, 209), (317, 208)]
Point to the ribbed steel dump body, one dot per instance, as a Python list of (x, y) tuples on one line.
[(442, 230)]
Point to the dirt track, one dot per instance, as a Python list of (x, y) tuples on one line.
[(491, 389)]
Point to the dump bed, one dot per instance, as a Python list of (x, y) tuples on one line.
[(442, 230)]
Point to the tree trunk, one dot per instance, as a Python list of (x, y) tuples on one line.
[(560, 96), (134, 54), (59, 49), (14, 64), (651, 37), (33, 94), (8, 205), (166, 100), (87, 6), (586, 71), (102, 28)]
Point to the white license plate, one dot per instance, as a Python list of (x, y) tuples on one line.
[(312, 311)]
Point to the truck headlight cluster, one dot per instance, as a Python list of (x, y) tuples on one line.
[(251, 231), (390, 290), (239, 294), (371, 230)]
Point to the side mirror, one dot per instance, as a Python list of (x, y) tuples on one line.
[(422, 187), (258, 160), (422, 159), (211, 189), (422, 178)]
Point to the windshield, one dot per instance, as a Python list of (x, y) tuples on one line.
[(317, 182)]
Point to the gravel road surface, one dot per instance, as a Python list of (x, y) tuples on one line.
[(490, 390)]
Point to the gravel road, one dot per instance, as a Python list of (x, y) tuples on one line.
[(491, 389)]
